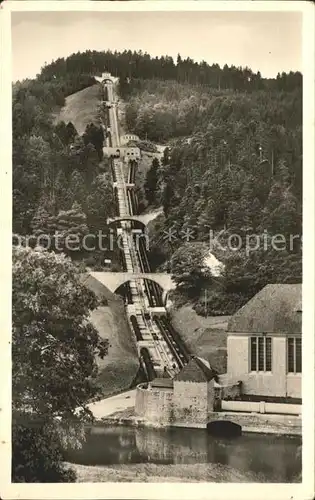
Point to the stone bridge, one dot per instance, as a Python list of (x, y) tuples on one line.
[(106, 78), (140, 219), (113, 281)]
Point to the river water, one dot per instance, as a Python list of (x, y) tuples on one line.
[(274, 457)]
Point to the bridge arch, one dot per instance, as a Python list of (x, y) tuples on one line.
[(127, 218), (113, 281), (146, 278)]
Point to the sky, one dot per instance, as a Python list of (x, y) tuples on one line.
[(270, 42)]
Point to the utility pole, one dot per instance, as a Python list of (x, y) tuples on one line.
[(206, 303)]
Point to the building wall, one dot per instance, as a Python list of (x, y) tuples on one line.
[(155, 405), (229, 388), (294, 385), (237, 356), (275, 383), (128, 137), (261, 407), (258, 422), (129, 153), (190, 404)]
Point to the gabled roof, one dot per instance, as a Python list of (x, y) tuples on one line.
[(196, 370), (275, 309)]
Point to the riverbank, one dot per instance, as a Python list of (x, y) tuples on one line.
[(119, 410), (157, 473), (109, 407), (282, 425)]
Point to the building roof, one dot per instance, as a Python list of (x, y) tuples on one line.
[(162, 383), (275, 309), (196, 370)]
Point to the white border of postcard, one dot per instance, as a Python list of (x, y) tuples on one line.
[(165, 491)]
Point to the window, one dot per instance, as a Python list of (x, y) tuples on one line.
[(260, 354), (294, 352)]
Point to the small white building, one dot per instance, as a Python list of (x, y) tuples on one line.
[(216, 266), (124, 139)]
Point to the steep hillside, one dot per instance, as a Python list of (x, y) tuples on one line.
[(233, 171), (81, 108), (233, 164), (205, 337), (119, 368)]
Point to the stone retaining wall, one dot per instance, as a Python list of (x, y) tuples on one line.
[(155, 405)]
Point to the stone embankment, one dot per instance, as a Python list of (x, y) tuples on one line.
[(119, 410)]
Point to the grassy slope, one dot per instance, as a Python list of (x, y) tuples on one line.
[(205, 337), (81, 108), (119, 368)]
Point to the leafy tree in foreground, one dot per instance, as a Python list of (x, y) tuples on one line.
[(54, 349)]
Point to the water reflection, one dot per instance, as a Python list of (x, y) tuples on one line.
[(274, 456)]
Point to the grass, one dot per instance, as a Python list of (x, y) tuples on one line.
[(204, 336), (149, 472), (127, 413), (119, 368), (81, 108)]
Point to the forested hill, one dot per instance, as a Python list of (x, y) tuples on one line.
[(233, 163), (130, 64), (233, 167)]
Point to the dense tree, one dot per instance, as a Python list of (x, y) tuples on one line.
[(53, 354), (94, 135), (71, 227), (77, 70), (124, 86), (151, 182), (100, 203), (43, 223), (239, 170), (66, 133), (188, 268)]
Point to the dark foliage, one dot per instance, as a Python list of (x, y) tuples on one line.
[(128, 65), (239, 172), (54, 349), (151, 182), (37, 454)]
